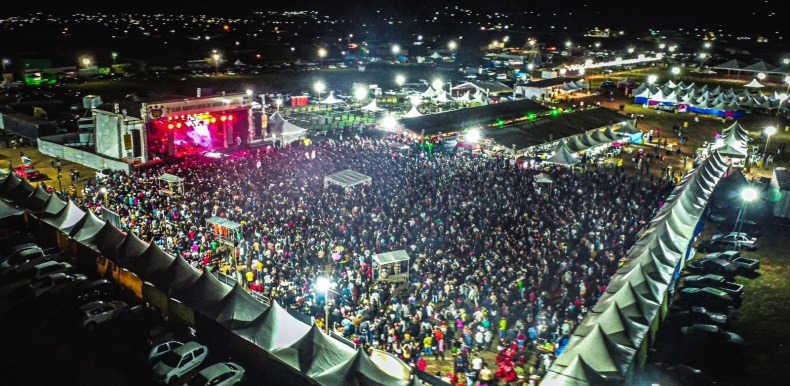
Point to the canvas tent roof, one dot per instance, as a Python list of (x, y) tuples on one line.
[(314, 353), (372, 106), (130, 248), (9, 212), (237, 309), (69, 216), (205, 292), (330, 99), (347, 178), (37, 199), (391, 257), (490, 87), (52, 207), (87, 227), (760, 66), (563, 157), (274, 328), (20, 192), (10, 182), (754, 83), (104, 241), (460, 119), (360, 370), (177, 275), (167, 177), (412, 113), (731, 65), (543, 178)]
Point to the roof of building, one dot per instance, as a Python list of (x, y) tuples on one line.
[(783, 178), (457, 120), (550, 129), (489, 86), (544, 83)]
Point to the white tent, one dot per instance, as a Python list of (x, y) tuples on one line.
[(331, 100), (429, 93), (479, 97), (412, 113), (754, 84), (372, 106), (464, 98), (441, 97)]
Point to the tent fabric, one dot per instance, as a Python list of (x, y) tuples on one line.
[(575, 144), (170, 178), (274, 328), (69, 216), (87, 227), (588, 140), (205, 292), (331, 99), (20, 192), (543, 178), (429, 93), (10, 182), (372, 106), (10, 213), (754, 84), (105, 241), (235, 310), (314, 353), (563, 157), (130, 248), (628, 128), (37, 199), (51, 208), (360, 370), (154, 260), (177, 275), (412, 113), (347, 178)]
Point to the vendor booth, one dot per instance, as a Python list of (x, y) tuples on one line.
[(391, 267)]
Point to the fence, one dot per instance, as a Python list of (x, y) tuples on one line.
[(81, 157)]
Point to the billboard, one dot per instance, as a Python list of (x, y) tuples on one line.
[(197, 105)]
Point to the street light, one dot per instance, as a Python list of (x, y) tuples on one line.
[(630, 50), (114, 56), (747, 195), (452, 45), (104, 192), (395, 49), (437, 84), (323, 285), (319, 88), (787, 80), (761, 75), (769, 131), (216, 63), (400, 80), (360, 93), (675, 72), (86, 62), (321, 55), (6, 62)]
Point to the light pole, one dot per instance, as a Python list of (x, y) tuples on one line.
[(400, 80), (787, 80), (323, 285), (114, 56), (452, 45), (6, 62), (321, 55), (104, 192), (216, 63), (319, 88), (747, 195), (769, 131), (675, 72)]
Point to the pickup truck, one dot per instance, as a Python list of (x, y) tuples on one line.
[(715, 281), (735, 257)]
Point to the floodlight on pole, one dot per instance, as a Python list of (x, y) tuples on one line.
[(652, 79), (452, 45), (389, 122), (216, 62), (747, 195), (360, 93), (769, 131), (249, 92), (761, 75), (437, 84), (630, 50), (400, 80), (319, 88), (472, 136), (86, 62), (707, 45), (787, 80), (323, 285), (395, 49)]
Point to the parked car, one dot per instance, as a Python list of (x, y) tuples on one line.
[(99, 289), (94, 313), (175, 364), (695, 315), (750, 227), (219, 374), (48, 268), (719, 267), (28, 172), (728, 241), (715, 281), (14, 248), (19, 258), (26, 263), (735, 257), (56, 283), (161, 349), (608, 85), (20, 294), (713, 334), (709, 297), (687, 375)]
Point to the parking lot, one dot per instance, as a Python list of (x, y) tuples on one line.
[(43, 343)]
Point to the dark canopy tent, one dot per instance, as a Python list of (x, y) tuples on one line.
[(10, 214), (51, 207), (360, 371), (562, 157), (9, 183), (205, 292), (154, 260), (314, 353), (274, 328), (105, 240), (36, 200), (87, 227), (728, 191), (67, 218), (237, 309), (179, 274), (20, 192), (130, 248), (575, 144)]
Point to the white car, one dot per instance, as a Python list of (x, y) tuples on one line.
[(161, 349), (177, 363), (94, 313), (56, 283), (219, 374)]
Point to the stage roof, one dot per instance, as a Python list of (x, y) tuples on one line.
[(347, 178)]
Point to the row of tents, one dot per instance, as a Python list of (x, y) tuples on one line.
[(759, 66), (565, 149), (614, 337), (304, 354)]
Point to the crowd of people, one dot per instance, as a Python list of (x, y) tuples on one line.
[(498, 262)]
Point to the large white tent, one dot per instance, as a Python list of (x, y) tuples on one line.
[(330, 99), (412, 113)]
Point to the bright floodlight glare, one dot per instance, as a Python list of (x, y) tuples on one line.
[(388, 122), (530, 66), (472, 136), (86, 62), (568, 43), (437, 84), (103, 190), (319, 86), (581, 70), (676, 70), (249, 92), (395, 48), (322, 284), (415, 100), (662, 46), (360, 93), (322, 52), (652, 78), (400, 80), (707, 45), (748, 194), (452, 45), (562, 71), (630, 50), (787, 79), (588, 62), (770, 130), (761, 76)]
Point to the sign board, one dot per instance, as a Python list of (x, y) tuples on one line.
[(198, 105), (127, 141), (111, 217)]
